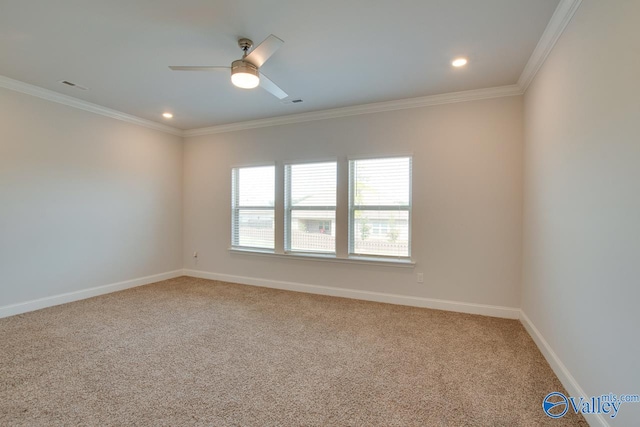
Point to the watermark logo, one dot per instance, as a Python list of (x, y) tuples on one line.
[(556, 404)]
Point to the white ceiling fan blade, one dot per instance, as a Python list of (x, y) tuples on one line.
[(271, 87), (197, 68), (264, 50)]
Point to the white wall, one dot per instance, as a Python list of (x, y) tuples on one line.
[(466, 193), (85, 200), (582, 201)]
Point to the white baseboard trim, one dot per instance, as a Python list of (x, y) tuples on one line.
[(461, 307), (559, 368), (37, 304)]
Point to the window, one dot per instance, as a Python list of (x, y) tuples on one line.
[(310, 207), (363, 216), (380, 207), (252, 207)]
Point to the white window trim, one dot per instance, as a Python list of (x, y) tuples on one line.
[(365, 260), (341, 212)]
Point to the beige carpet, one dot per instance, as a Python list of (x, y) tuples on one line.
[(197, 352)]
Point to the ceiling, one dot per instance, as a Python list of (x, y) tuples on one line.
[(337, 53)]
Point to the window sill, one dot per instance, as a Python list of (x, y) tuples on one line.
[(387, 262)]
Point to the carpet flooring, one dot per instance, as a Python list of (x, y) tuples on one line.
[(198, 352)]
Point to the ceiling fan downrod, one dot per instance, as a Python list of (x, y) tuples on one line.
[(245, 45)]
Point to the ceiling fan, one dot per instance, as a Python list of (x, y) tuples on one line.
[(245, 72)]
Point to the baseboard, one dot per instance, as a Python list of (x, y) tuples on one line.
[(559, 368), (461, 307), (37, 304)]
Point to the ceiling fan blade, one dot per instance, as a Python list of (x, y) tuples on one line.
[(264, 50), (197, 68), (271, 87)]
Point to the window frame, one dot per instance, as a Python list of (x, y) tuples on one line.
[(235, 208), (288, 208), (352, 208)]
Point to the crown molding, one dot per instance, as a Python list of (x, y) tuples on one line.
[(378, 107), (556, 26), (49, 95)]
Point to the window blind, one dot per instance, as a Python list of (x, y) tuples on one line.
[(380, 207), (252, 207), (310, 207)]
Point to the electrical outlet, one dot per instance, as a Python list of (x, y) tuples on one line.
[(420, 277)]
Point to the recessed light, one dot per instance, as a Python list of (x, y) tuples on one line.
[(459, 62), (167, 115)]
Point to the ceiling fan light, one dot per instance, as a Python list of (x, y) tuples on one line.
[(244, 75), (245, 80), (459, 62)]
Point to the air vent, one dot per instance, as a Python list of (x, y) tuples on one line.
[(72, 84), (291, 101)]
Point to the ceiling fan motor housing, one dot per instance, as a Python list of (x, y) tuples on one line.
[(242, 66), (245, 44)]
